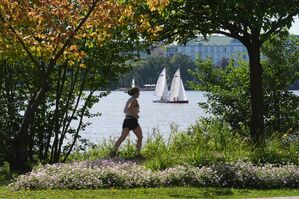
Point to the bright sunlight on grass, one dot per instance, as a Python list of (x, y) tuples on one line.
[(155, 193)]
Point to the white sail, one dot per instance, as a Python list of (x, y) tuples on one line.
[(182, 93), (175, 86), (161, 86), (177, 90), (133, 83)]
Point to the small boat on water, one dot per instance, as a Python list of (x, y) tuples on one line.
[(133, 85), (161, 89), (148, 87), (177, 92)]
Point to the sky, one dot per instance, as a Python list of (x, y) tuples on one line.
[(295, 27)]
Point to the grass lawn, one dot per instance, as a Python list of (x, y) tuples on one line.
[(155, 193)]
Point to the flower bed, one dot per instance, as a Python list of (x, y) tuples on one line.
[(123, 174)]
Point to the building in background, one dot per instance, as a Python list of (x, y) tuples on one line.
[(219, 48), (154, 51)]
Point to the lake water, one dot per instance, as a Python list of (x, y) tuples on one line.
[(152, 115)]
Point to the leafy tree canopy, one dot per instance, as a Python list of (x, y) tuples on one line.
[(252, 22)]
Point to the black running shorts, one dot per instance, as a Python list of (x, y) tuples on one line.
[(131, 123)]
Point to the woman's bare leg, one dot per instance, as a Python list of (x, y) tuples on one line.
[(123, 136), (138, 133)]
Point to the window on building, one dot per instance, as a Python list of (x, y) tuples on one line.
[(212, 49), (192, 49), (206, 49)]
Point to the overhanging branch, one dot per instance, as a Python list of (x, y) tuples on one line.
[(68, 41), (22, 43)]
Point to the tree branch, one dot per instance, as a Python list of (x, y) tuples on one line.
[(276, 25), (68, 41), (22, 43)]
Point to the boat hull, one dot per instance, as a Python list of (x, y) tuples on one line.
[(161, 101), (172, 102), (179, 102)]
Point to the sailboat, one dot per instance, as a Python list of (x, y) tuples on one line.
[(161, 89), (177, 92)]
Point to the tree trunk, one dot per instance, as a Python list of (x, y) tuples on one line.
[(257, 130), (18, 156)]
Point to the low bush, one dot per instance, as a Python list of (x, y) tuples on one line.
[(120, 174), (5, 172)]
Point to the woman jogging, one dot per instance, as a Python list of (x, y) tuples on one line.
[(131, 111)]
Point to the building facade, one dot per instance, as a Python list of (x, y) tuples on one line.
[(218, 48)]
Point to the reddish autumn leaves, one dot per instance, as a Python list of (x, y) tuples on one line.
[(43, 27)]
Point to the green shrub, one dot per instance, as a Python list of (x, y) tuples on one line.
[(108, 174), (278, 150), (94, 152), (128, 149), (204, 143), (5, 172)]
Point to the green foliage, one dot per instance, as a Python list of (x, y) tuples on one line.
[(2, 152), (5, 172), (281, 69), (227, 89), (217, 143), (208, 142), (157, 152), (205, 143), (278, 150), (233, 18), (129, 149), (92, 152)]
